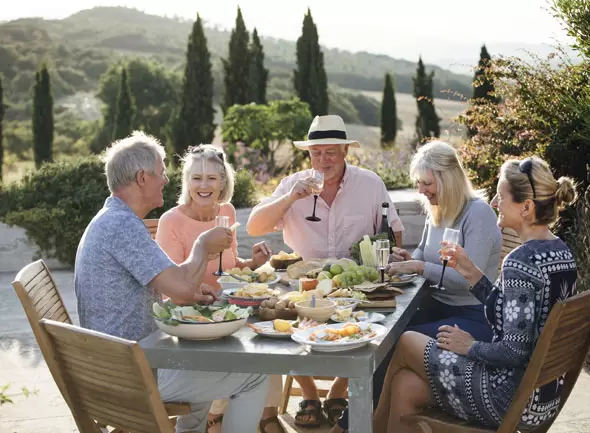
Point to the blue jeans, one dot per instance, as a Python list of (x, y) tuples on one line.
[(431, 315)]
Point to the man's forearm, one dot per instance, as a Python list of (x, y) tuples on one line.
[(398, 239), (266, 217), (196, 265)]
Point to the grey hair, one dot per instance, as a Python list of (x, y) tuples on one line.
[(126, 157), (207, 154)]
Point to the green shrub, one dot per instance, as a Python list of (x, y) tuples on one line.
[(55, 203), (244, 190)]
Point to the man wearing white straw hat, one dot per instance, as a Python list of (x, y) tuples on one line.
[(322, 212)]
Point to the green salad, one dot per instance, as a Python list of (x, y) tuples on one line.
[(172, 314)]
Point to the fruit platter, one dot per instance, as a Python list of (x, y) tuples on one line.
[(199, 322)]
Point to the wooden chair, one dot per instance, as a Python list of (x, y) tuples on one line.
[(40, 298), (289, 390), (561, 349), (152, 225), (510, 240), (107, 379)]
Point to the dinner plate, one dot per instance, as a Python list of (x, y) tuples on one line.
[(233, 283), (403, 279), (243, 302), (368, 318), (303, 337), (267, 329)]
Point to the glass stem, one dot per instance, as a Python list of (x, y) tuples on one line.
[(220, 267), (315, 200), (440, 284), (382, 276)]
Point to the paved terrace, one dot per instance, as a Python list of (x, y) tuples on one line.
[(21, 363)]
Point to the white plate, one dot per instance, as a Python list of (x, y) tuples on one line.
[(369, 318), (202, 330), (302, 337), (267, 329), (404, 280), (236, 284)]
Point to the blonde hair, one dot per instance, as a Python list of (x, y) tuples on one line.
[(550, 195), (454, 190), (207, 154), (125, 157)]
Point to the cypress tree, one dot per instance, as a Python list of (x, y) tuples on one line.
[(388, 113), (258, 75), (310, 80), (1, 130), (125, 111), (42, 117), (236, 67), (427, 122), (483, 87), (193, 122)]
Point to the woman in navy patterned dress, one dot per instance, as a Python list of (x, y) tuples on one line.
[(476, 380)]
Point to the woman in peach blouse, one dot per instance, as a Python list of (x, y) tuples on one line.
[(207, 188)]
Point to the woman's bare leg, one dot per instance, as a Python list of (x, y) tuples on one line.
[(410, 388)]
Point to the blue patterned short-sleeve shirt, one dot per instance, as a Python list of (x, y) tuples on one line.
[(115, 262)]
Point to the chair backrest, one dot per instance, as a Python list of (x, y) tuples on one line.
[(107, 379), (37, 291), (152, 225), (510, 240), (560, 350)]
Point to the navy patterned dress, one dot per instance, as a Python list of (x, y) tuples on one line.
[(479, 387)]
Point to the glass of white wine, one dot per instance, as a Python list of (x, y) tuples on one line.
[(451, 236), (382, 249), (318, 179), (221, 221)]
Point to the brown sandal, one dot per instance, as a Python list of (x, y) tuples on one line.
[(214, 421), (272, 420), (313, 412), (333, 414)]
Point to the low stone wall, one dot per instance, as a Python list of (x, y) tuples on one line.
[(16, 250)]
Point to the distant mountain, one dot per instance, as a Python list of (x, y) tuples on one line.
[(126, 30)]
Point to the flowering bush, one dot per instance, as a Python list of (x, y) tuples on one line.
[(392, 165)]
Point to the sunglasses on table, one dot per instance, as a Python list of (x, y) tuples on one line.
[(526, 167)]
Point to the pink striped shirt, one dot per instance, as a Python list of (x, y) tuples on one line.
[(355, 212)]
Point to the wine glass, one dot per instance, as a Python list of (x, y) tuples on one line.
[(382, 249), (451, 236), (318, 179), (221, 221)]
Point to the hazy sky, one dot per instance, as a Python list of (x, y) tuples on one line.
[(394, 27)]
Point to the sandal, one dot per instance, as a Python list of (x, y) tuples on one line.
[(272, 420), (333, 414), (214, 421), (314, 412)]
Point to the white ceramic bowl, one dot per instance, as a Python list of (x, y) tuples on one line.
[(322, 311), (345, 302), (202, 331)]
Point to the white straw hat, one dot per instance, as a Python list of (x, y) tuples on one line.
[(328, 129)]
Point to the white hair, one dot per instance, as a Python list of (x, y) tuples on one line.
[(126, 157)]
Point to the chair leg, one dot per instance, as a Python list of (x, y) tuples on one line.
[(286, 394)]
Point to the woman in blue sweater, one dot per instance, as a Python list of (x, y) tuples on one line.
[(476, 380)]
